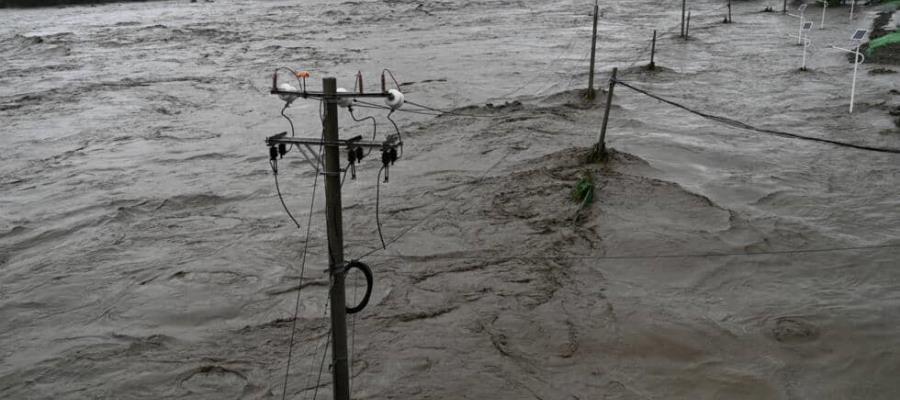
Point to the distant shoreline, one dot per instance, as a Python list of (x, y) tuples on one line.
[(55, 3)]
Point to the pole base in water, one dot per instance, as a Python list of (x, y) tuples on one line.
[(599, 154)]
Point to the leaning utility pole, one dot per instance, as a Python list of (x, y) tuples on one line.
[(590, 91)]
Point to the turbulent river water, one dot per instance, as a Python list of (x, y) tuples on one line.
[(144, 252)]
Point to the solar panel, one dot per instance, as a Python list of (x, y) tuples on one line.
[(807, 26), (860, 34)]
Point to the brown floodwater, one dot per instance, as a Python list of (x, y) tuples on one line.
[(145, 254)]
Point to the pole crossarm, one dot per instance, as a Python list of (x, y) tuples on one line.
[(311, 141), (327, 97)]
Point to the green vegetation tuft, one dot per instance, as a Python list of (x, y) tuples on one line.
[(889, 39), (583, 192)]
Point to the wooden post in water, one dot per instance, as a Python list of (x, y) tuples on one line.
[(687, 28), (683, 7), (652, 52), (590, 91), (729, 11), (334, 220), (600, 147)]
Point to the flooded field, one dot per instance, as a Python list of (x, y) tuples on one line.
[(144, 252)]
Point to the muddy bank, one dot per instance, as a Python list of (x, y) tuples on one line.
[(883, 46)]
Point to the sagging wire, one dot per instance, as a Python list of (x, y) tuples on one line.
[(297, 75), (435, 112), (302, 263), (380, 107), (322, 365), (742, 125), (399, 135), (374, 125), (274, 165), (433, 213), (323, 344), (642, 257), (383, 86), (378, 209), (438, 110)]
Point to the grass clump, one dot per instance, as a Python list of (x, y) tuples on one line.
[(583, 192)]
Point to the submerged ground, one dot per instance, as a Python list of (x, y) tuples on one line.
[(144, 254)]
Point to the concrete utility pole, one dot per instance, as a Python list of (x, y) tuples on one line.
[(331, 143), (334, 220), (590, 92)]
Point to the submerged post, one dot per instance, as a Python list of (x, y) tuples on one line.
[(652, 51), (590, 91), (687, 28), (341, 369), (729, 11), (683, 7), (600, 147)]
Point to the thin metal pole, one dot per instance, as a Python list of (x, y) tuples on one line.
[(853, 85), (729, 11), (601, 144), (683, 7), (784, 7), (824, 7), (852, 2), (653, 51), (805, 45), (590, 92), (687, 28), (341, 371)]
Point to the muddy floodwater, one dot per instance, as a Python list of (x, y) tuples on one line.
[(144, 253)]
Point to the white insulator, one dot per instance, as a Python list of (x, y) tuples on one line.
[(287, 87), (395, 99), (344, 101)]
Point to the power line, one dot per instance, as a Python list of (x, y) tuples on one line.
[(648, 257), (431, 214), (742, 125), (312, 201)]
